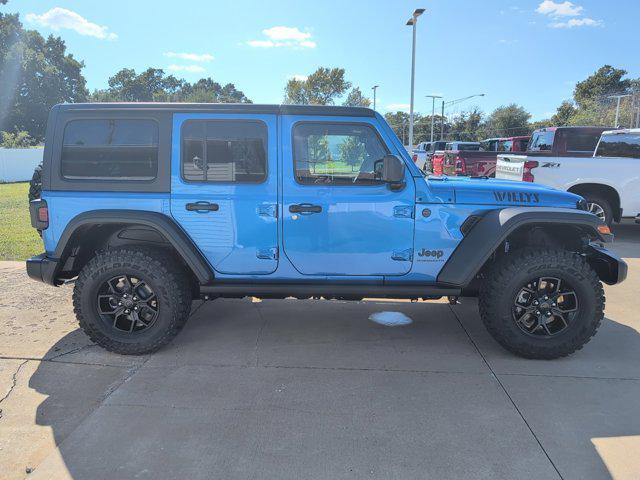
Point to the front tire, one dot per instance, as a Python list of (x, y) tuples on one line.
[(132, 300), (600, 207), (542, 303)]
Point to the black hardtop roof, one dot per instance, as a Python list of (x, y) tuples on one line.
[(223, 108)]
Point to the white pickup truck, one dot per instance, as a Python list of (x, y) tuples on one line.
[(609, 180)]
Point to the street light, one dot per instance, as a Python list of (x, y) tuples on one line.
[(453, 102), (374, 88), (412, 22), (433, 110), (618, 97)]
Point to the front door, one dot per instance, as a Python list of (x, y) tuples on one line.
[(224, 189), (339, 218)]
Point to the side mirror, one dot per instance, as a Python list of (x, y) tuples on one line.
[(390, 169)]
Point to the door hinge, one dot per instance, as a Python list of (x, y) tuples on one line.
[(405, 211), (270, 253), (268, 210), (405, 255)]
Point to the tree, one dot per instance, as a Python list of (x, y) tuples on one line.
[(322, 87), (563, 114), (20, 139), (399, 122), (35, 74), (605, 81), (467, 125), (153, 85), (507, 120), (356, 99)]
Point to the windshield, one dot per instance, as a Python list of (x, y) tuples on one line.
[(505, 145), (542, 141), (619, 145)]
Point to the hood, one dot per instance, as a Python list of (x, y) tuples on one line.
[(491, 191)]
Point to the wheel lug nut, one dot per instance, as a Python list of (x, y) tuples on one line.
[(135, 308), (537, 312), (127, 311)]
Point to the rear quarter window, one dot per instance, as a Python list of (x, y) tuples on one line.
[(110, 149), (619, 145)]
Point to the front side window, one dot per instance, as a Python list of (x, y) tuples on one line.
[(110, 149), (505, 145), (341, 154), (224, 151), (619, 145)]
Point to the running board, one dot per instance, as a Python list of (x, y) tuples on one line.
[(280, 290)]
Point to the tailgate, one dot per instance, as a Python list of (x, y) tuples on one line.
[(510, 167)]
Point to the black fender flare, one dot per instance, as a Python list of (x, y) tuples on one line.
[(164, 224), (494, 226)]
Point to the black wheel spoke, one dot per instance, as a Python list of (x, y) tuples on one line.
[(544, 306), (127, 304)]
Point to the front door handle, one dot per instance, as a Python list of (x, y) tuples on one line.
[(202, 207), (305, 208)]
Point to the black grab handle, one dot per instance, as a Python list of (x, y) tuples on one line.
[(305, 208), (202, 207)]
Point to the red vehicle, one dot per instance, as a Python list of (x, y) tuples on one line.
[(437, 161), (481, 163)]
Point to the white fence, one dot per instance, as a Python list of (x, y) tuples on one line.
[(17, 164)]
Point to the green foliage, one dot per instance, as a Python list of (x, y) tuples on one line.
[(356, 99), (352, 151), (467, 126), (153, 85), (605, 81), (322, 87), (35, 74), (19, 139), (506, 121), (563, 115)]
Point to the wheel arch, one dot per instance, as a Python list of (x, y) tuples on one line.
[(496, 228), (97, 229), (607, 191)]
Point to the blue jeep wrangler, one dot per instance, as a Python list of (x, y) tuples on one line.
[(149, 206)]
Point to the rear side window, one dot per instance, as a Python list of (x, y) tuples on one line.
[(224, 151), (582, 141), (541, 141), (342, 154), (469, 147), (619, 145), (109, 149)]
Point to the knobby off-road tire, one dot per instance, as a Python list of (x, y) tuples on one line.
[(160, 273), (501, 297), (35, 185)]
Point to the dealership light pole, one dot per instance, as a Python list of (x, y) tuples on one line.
[(374, 88), (618, 97), (412, 22), (433, 110)]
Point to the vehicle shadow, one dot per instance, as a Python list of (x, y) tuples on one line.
[(573, 418), (627, 239)]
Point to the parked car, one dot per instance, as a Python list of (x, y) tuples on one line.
[(438, 158), (609, 179), (423, 152), (150, 206), (481, 163)]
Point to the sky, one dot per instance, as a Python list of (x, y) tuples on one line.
[(531, 52)]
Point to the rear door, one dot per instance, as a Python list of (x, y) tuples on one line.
[(338, 217), (224, 188)]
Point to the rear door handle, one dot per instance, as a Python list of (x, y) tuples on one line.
[(305, 208), (202, 207)]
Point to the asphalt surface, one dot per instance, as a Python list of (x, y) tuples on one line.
[(292, 389)]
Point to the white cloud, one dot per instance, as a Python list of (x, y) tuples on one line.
[(193, 57), (564, 9), (284, 37), (300, 78), (60, 18), (186, 68), (577, 22), (397, 107)]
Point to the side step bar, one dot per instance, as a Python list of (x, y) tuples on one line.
[(281, 290)]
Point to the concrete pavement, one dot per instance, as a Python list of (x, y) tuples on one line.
[(313, 389)]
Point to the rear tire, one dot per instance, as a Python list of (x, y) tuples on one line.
[(132, 300), (35, 185), (600, 207), (541, 330)]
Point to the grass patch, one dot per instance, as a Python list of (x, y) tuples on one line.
[(18, 240)]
